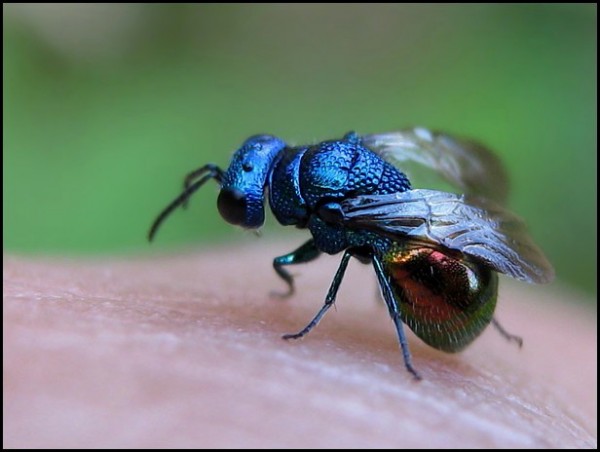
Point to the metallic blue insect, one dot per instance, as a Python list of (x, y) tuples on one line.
[(436, 254)]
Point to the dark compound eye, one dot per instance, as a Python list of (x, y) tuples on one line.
[(247, 166), (232, 205)]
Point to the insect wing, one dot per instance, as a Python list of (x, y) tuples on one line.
[(465, 164), (474, 226)]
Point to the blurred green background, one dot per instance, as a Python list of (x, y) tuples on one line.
[(106, 107)]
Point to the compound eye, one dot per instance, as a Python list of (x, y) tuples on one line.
[(232, 205)]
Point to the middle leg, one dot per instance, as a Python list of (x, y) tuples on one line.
[(329, 300)]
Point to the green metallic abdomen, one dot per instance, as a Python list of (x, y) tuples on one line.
[(447, 300)]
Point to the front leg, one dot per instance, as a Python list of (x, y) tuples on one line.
[(305, 253)]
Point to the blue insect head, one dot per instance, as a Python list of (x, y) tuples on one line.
[(242, 197)]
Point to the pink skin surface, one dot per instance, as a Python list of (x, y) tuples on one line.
[(185, 351)]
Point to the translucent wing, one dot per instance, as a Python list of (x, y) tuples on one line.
[(474, 226), (472, 168)]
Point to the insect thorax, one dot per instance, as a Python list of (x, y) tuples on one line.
[(305, 178)]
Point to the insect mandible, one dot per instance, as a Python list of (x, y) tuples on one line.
[(436, 254)]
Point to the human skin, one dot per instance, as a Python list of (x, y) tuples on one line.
[(185, 351)]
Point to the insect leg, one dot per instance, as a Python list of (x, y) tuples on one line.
[(329, 300), (305, 253), (509, 337), (393, 309)]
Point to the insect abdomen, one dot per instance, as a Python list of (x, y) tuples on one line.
[(446, 301)]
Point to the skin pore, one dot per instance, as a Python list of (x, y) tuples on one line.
[(185, 351)]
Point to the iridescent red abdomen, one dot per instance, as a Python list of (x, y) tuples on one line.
[(444, 297)]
